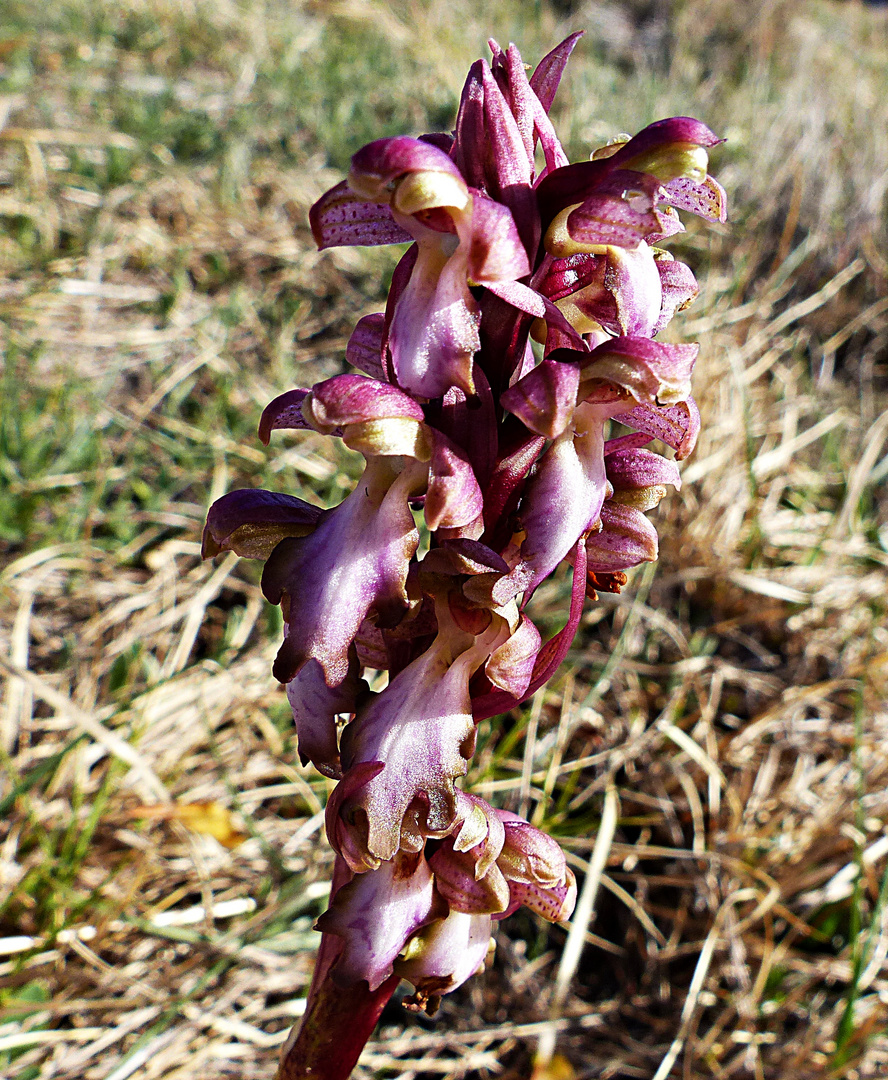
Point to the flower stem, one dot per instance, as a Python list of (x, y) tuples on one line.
[(338, 1020), (334, 1030)]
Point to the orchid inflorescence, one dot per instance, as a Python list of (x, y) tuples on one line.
[(521, 321)]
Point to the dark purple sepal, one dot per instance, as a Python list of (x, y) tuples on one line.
[(469, 149), (509, 166), (341, 218), (545, 399), (453, 498), (530, 115), (495, 249), (472, 557), (527, 300), (504, 336), (519, 450), (676, 425), (441, 139), (252, 522), (550, 655), (489, 132), (470, 422), (504, 66), (547, 75)]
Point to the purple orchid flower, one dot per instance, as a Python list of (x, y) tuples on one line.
[(505, 449), (427, 915)]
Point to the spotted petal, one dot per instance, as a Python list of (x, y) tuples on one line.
[(340, 217)]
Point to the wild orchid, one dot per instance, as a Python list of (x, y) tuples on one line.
[(520, 326)]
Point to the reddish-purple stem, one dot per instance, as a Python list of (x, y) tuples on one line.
[(338, 1020)]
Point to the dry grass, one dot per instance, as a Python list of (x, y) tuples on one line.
[(716, 748)]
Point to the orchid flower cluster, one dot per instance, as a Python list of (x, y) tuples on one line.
[(521, 321)]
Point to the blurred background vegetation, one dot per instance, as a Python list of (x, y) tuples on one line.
[(161, 857)]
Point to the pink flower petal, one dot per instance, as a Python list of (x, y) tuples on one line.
[(376, 913), (627, 538), (354, 562), (676, 425)]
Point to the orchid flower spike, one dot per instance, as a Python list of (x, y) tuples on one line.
[(522, 324)]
